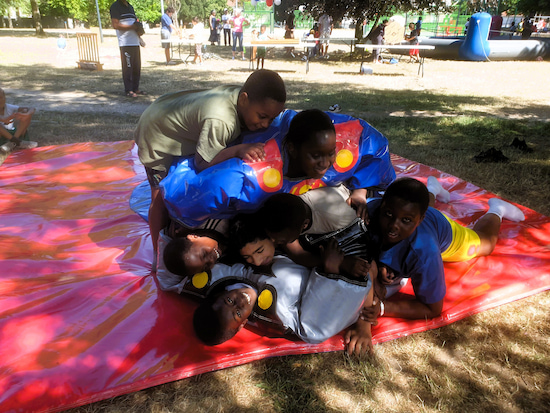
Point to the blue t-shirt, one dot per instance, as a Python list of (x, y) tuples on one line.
[(166, 22), (419, 256)]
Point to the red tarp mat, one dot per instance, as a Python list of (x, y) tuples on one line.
[(82, 318)]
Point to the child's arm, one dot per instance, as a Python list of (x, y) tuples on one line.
[(300, 256), (249, 152), (358, 200)]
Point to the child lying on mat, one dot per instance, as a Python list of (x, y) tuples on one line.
[(288, 218), (313, 305), (416, 239)]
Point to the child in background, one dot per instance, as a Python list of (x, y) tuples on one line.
[(14, 122), (197, 34), (414, 54), (203, 123), (416, 239), (260, 53)]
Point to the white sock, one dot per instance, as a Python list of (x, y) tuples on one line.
[(505, 210), (435, 188)]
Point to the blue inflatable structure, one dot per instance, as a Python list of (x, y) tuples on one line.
[(233, 186), (476, 46)]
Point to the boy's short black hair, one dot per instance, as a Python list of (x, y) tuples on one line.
[(173, 256), (283, 211), (244, 229), (169, 9), (208, 326), (306, 124), (410, 190), (265, 84)]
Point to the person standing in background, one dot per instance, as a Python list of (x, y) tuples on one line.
[(167, 26), (124, 20), (418, 25), (238, 21), (325, 30), (213, 24), (226, 28)]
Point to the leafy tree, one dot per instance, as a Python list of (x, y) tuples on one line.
[(36, 18), (200, 9), (534, 6)]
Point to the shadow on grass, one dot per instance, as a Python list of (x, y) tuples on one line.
[(353, 97)]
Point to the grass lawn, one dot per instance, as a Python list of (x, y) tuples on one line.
[(498, 360)]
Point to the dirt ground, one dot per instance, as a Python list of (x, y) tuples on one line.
[(517, 85)]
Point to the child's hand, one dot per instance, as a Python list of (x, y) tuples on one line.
[(333, 257), (358, 339), (251, 152), (356, 267), (358, 201), (370, 313), (386, 275)]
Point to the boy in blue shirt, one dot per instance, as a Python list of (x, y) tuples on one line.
[(415, 239)]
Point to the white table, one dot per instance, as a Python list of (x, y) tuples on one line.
[(176, 43), (407, 46), (349, 41), (278, 45)]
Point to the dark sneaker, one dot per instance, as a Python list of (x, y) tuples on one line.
[(521, 145), (491, 155)]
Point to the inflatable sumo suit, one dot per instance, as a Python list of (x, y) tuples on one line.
[(233, 186)]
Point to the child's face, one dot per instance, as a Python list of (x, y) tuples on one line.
[(202, 255), (398, 220), (411, 26), (259, 252), (316, 155), (258, 115), (235, 306), (262, 29)]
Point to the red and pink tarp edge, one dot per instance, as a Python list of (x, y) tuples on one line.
[(82, 319)]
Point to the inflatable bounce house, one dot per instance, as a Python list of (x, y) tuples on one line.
[(477, 45)]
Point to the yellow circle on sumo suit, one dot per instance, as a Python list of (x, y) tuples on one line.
[(344, 158), (304, 189), (200, 280), (265, 299), (272, 178)]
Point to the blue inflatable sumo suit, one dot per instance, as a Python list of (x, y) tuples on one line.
[(233, 186)]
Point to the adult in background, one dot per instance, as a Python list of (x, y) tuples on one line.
[(289, 32), (527, 29), (128, 30), (238, 21), (213, 24), (377, 37), (418, 25), (166, 29), (325, 30), (226, 27)]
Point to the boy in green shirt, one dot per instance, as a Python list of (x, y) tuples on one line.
[(203, 123)]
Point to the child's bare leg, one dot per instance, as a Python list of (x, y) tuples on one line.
[(488, 225)]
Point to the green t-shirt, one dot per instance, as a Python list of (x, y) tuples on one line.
[(183, 123)]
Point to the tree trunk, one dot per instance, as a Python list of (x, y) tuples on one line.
[(36, 18)]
